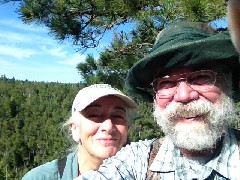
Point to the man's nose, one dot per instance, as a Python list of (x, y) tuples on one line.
[(184, 93)]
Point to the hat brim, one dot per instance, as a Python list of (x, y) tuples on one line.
[(218, 49), (95, 96)]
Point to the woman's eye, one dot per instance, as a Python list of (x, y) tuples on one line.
[(94, 116), (118, 117)]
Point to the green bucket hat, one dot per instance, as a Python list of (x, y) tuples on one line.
[(178, 45)]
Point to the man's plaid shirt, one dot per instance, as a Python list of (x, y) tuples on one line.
[(131, 162)]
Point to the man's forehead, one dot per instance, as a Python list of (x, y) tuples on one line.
[(185, 69), (176, 71)]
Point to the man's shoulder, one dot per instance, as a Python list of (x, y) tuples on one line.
[(48, 170), (139, 145), (134, 150), (147, 143)]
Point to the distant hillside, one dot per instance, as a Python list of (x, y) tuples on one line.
[(31, 115)]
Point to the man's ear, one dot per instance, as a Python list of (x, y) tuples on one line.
[(75, 132), (233, 18)]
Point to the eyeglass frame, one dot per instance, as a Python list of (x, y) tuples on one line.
[(187, 75)]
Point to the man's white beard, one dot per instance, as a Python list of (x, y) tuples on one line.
[(198, 135)]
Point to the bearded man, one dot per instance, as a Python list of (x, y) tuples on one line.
[(192, 77)]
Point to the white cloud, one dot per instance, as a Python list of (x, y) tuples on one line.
[(16, 52), (10, 37), (73, 60), (15, 32), (34, 68), (43, 73), (5, 64), (56, 51), (19, 25)]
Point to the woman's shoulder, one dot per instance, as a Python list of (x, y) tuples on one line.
[(48, 170)]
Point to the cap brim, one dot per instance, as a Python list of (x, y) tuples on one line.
[(81, 105)]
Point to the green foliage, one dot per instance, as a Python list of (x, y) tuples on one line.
[(85, 22), (203, 10), (112, 65), (236, 123), (31, 115), (143, 126)]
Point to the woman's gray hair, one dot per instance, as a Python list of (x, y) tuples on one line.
[(68, 133)]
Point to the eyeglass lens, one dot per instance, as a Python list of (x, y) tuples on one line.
[(200, 81)]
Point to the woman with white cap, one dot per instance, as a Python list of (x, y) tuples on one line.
[(99, 126)]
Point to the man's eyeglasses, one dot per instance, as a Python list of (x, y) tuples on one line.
[(200, 81)]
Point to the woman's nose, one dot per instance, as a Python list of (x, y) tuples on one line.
[(108, 126)]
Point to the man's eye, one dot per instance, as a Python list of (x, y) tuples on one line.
[(201, 80), (166, 84)]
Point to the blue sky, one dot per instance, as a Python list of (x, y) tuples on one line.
[(29, 52)]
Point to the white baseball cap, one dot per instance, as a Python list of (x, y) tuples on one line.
[(91, 93)]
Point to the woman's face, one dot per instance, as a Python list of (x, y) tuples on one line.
[(103, 127)]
